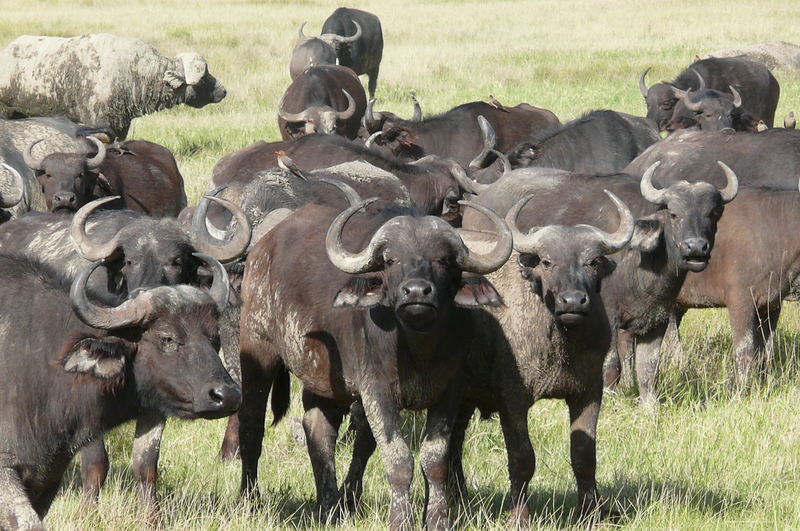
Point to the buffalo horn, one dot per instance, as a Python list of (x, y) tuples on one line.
[(220, 286), (77, 232), (642, 85), (351, 107), (417, 117), (291, 117), (686, 96), (353, 263), (333, 37), (612, 243), (702, 85), (489, 141), (464, 181), (97, 160), (203, 241), (649, 191), (27, 156), (17, 190), (494, 259), (371, 139), (352, 196), (732, 187), (132, 311), (300, 34), (504, 160), (737, 99), (371, 121)]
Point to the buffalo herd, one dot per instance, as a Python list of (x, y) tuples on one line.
[(479, 259)]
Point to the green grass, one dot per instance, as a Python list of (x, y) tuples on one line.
[(706, 459)]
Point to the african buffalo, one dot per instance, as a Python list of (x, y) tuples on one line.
[(599, 142), (457, 134), (315, 51), (323, 99), (674, 234), (95, 368), (769, 159), (362, 54), (144, 175), (140, 253), (100, 79), (379, 324), (758, 89)]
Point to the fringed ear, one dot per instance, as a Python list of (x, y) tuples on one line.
[(101, 359), (194, 67), (647, 234), (477, 291), (174, 79), (527, 262), (360, 292)]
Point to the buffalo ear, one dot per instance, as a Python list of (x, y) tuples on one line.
[(360, 292), (174, 79), (103, 184), (605, 266), (477, 291), (647, 234), (527, 262), (101, 359)]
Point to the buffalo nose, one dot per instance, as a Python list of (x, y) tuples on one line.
[(574, 301), (695, 247), (64, 199), (225, 397), (416, 288)]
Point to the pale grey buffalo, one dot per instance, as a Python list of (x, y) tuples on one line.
[(99, 79)]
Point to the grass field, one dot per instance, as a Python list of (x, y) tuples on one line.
[(705, 459)]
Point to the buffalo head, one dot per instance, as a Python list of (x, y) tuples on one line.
[(687, 220), (320, 119), (193, 83), (565, 264)]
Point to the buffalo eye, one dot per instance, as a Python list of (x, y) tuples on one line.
[(673, 215), (547, 264), (594, 262), (168, 343)]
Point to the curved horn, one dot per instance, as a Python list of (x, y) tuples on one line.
[(220, 288), (371, 139), (333, 37), (417, 117), (650, 192), (489, 141), (702, 81), (291, 117), (523, 242), (300, 34), (686, 96), (350, 110), (642, 86), (132, 311), (203, 241), (737, 99), (17, 190), (77, 232), (97, 160), (494, 259), (732, 187), (30, 161), (352, 196), (353, 263), (612, 243), (464, 181), (504, 160)]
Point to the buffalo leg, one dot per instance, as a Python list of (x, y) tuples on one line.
[(433, 457), (321, 424), (521, 460), (256, 383), (16, 510), (583, 413), (384, 421), (373, 81), (146, 449), (94, 468), (612, 366), (229, 337), (767, 327), (363, 447), (230, 441), (745, 335), (455, 465), (648, 349)]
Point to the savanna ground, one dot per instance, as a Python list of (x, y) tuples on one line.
[(706, 459)]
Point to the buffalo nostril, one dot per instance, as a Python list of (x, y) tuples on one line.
[(584, 300), (426, 290), (216, 395)]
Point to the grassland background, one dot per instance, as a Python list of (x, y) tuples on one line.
[(706, 459)]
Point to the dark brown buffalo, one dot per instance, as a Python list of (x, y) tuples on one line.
[(144, 175), (379, 324), (323, 99), (95, 368), (674, 234), (757, 87), (139, 253), (770, 158), (358, 39), (456, 134), (548, 341)]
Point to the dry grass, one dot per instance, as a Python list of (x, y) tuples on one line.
[(706, 459)]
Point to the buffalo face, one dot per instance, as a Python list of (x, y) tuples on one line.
[(708, 110), (565, 264), (660, 100)]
